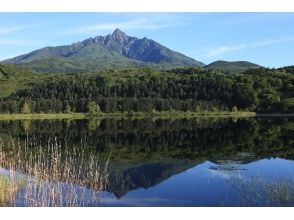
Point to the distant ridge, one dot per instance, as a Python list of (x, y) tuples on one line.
[(236, 66)]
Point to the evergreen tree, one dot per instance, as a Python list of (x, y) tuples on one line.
[(67, 108)]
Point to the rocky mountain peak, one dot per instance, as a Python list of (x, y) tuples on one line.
[(119, 35)]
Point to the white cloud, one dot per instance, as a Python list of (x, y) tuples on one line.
[(8, 30), (12, 29), (140, 23), (133, 200), (229, 48), (17, 42), (223, 49)]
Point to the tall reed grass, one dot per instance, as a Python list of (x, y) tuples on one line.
[(51, 174), (258, 191)]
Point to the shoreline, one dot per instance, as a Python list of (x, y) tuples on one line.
[(159, 115), (275, 115)]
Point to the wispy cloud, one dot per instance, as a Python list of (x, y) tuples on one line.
[(139, 23), (109, 200), (212, 52), (18, 42), (16, 28), (8, 30)]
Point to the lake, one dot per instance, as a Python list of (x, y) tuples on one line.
[(147, 162)]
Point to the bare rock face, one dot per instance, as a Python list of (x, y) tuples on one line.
[(119, 36), (119, 42)]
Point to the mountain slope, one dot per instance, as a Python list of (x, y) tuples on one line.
[(114, 50), (232, 67), (13, 79)]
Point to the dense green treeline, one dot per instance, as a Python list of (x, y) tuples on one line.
[(189, 89)]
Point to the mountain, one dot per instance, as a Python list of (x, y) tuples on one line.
[(114, 50), (236, 67)]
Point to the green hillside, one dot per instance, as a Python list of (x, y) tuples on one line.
[(232, 67)]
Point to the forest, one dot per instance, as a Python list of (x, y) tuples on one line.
[(144, 90)]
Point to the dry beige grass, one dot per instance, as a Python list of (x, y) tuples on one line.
[(55, 175)]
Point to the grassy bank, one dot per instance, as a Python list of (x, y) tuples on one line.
[(163, 115), (37, 116)]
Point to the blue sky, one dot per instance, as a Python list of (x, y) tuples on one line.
[(263, 38)]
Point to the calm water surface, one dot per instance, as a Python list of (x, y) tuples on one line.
[(198, 162)]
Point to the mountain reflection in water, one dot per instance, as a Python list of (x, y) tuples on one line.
[(151, 161)]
